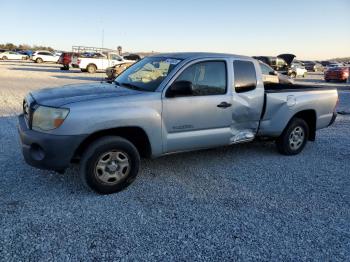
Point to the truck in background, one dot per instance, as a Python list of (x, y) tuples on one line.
[(92, 59)]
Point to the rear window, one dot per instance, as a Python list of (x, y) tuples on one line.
[(265, 69), (244, 75)]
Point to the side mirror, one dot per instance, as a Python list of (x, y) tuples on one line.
[(273, 73), (180, 88)]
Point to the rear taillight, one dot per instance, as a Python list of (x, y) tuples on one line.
[(78, 61)]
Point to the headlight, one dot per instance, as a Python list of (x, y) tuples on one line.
[(48, 118)]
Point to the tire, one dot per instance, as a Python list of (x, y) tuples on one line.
[(293, 75), (4, 58), (327, 80), (39, 60), (294, 137), (91, 69), (104, 170)]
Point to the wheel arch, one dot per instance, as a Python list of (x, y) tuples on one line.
[(309, 116), (91, 64), (136, 135)]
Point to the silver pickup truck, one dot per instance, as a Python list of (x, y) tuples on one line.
[(166, 104)]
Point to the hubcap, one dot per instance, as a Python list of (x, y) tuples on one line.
[(112, 167), (296, 138)]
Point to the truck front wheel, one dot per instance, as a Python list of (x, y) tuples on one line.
[(294, 137), (109, 165), (91, 69)]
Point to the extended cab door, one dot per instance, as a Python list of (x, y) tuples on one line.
[(248, 100), (200, 118)]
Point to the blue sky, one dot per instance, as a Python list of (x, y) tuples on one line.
[(310, 29)]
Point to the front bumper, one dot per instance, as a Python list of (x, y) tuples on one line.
[(46, 151)]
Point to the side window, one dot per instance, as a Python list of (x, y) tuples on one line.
[(245, 76), (115, 57), (265, 69), (207, 78)]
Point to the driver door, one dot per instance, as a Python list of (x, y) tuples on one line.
[(202, 118)]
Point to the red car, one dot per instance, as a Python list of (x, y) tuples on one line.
[(340, 74)]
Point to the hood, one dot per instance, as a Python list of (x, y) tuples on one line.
[(60, 96), (287, 57)]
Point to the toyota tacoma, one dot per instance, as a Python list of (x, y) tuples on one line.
[(165, 104)]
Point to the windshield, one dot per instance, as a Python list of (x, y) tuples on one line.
[(147, 74)]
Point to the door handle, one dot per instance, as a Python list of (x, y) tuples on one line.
[(224, 105)]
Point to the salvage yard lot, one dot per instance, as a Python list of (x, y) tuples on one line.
[(239, 202)]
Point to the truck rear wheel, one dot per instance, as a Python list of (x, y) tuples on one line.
[(109, 165), (294, 138), (91, 69)]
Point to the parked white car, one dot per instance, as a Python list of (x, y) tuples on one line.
[(297, 69), (11, 55), (44, 56), (91, 62)]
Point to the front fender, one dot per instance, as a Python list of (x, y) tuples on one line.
[(85, 119)]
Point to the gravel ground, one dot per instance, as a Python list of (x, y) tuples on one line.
[(244, 202)]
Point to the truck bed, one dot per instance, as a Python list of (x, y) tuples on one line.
[(283, 102)]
